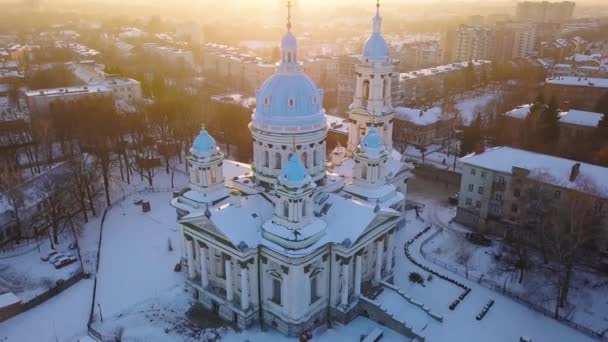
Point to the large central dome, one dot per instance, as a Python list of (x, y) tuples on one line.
[(289, 98)]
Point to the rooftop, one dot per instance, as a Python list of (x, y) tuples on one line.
[(581, 118), (549, 169), (578, 81), (440, 69), (420, 117)]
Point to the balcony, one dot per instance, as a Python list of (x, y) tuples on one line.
[(497, 186)]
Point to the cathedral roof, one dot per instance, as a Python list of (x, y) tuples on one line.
[(204, 145)]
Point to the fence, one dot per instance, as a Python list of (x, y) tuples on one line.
[(492, 285), (92, 332)]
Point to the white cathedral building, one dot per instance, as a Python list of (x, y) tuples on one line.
[(293, 240)]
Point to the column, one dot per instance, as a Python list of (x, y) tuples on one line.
[(344, 294), (229, 290), (204, 273), (190, 254), (358, 275), (378, 270), (389, 253), (244, 286)]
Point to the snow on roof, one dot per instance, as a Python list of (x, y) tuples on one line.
[(520, 112), (552, 170), (581, 118), (470, 106), (337, 124), (8, 299), (418, 116), (578, 81), (233, 169), (440, 69)]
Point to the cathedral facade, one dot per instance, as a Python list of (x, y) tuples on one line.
[(293, 241)]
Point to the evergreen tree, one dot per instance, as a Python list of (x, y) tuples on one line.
[(549, 123), (471, 139)]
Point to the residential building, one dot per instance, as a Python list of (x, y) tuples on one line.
[(495, 191), (467, 43), (39, 102), (171, 55), (514, 40), (578, 92), (544, 11), (422, 127)]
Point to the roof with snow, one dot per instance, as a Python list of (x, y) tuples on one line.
[(581, 118), (520, 112), (549, 169), (578, 81), (420, 117)]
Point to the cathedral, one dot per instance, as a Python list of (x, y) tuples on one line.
[(293, 240)]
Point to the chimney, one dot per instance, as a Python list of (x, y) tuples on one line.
[(576, 169)]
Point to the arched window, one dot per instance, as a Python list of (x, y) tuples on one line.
[(266, 159), (289, 57), (213, 176), (366, 90), (315, 158), (291, 102), (286, 209), (364, 172), (277, 161), (304, 208), (305, 159), (385, 89)]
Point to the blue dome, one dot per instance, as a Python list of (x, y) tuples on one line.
[(294, 173), (372, 140), (204, 145), (289, 99), (376, 48)]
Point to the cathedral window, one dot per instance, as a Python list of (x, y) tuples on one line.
[(314, 100), (305, 159), (286, 209), (304, 208), (266, 101), (276, 291), (314, 289), (288, 57), (277, 161), (315, 158), (220, 268), (385, 89), (213, 176), (366, 90), (292, 102), (364, 172), (266, 159)]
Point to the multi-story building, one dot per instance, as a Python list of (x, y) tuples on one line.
[(467, 43), (495, 194), (424, 85), (578, 92), (559, 49), (171, 55), (39, 102), (419, 55), (514, 40), (545, 11), (421, 128)]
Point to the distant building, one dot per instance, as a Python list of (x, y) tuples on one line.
[(545, 11), (561, 48), (498, 187), (40, 101), (419, 86), (576, 125), (579, 92), (419, 55), (514, 40), (169, 54), (467, 43)]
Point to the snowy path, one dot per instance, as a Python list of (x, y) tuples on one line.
[(62, 318), (506, 321), (136, 263)]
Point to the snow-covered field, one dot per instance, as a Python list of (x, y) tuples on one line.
[(588, 298)]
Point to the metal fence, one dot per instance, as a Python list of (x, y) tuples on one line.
[(492, 285)]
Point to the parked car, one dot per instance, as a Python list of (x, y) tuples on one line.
[(64, 262), (479, 239), (453, 200), (48, 255)]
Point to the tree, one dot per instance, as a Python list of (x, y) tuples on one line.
[(548, 125), (471, 140)]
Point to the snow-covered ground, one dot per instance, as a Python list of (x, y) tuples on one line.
[(506, 321), (62, 318), (588, 303), (473, 103), (136, 263)]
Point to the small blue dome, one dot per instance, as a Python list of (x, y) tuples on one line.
[(289, 99), (204, 145), (372, 140), (376, 48), (293, 173)]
